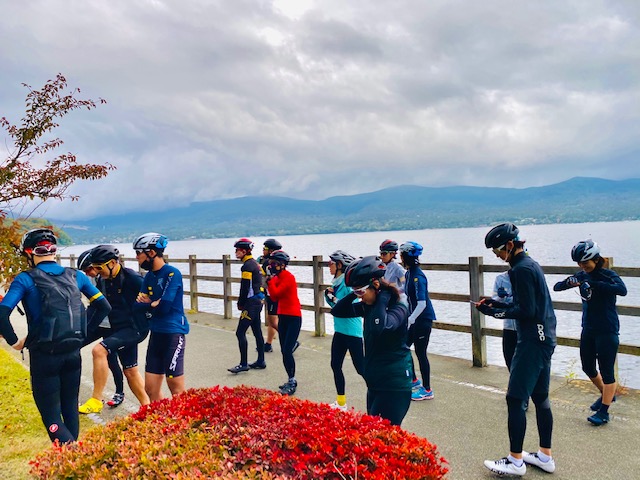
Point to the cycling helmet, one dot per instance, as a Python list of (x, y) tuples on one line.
[(411, 249), (361, 272), (84, 260), (272, 244), (104, 253), (499, 235), (244, 243), (342, 257), (39, 237), (389, 246), (585, 250), (280, 256), (150, 241)]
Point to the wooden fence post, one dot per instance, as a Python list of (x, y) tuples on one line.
[(318, 297), (226, 285), (476, 291), (72, 261), (193, 282)]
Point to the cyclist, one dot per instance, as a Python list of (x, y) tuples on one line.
[(250, 306), (531, 366), (120, 286), (284, 290), (84, 263), (387, 359), (421, 318), (270, 245), (160, 299), (599, 340), (347, 336), (55, 372), (394, 272)]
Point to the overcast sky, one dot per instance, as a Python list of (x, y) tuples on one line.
[(309, 99)]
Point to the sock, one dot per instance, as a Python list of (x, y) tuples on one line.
[(516, 461), (342, 400), (543, 457), (604, 408)]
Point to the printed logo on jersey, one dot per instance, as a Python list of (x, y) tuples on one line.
[(53, 428), (541, 335), (377, 321)]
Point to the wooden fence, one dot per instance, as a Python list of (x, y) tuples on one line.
[(475, 268)]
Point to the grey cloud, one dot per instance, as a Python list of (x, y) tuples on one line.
[(220, 99)]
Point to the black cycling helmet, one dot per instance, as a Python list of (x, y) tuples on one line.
[(151, 241), (585, 250), (272, 244), (499, 235), (84, 260), (280, 256), (244, 243), (342, 257), (37, 236), (363, 271), (389, 246), (104, 253)]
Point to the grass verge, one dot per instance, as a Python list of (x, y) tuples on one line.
[(22, 433)]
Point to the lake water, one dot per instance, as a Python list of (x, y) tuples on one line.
[(548, 244)]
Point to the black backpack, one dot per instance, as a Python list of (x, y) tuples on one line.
[(63, 325)]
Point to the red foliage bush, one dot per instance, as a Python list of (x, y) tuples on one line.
[(243, 432)]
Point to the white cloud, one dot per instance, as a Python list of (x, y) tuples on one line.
[(219, 99)]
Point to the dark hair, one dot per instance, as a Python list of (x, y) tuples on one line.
[(600, 261), (385, 285)]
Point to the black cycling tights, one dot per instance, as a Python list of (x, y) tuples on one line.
[(392, 405), (55, 381), (340, 345), (289, 330), (518, 421), (250, 317)]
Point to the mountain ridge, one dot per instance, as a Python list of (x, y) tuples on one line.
[(580, 199)]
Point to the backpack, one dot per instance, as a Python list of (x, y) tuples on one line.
[(63, 324)]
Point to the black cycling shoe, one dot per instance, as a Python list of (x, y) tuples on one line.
[(239, 368), (289, 388), (268, 348), (117, 399), (258, 365)]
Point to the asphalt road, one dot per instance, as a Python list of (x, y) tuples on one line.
[(466, 420)]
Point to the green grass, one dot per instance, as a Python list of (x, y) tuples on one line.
[(22, 434)]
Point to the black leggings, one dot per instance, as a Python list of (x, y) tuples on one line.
[(55, 381), (112, 357), (517, 422), (250, 317), (392, 405), (509, 342), (116, 371), (340, 344), (604, 348), (419, 335), (289, 330)]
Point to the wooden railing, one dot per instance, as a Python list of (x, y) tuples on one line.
[(475, 269)]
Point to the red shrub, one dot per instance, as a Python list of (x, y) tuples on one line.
[(243, 432)]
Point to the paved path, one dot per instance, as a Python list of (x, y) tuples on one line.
[(466, 420)]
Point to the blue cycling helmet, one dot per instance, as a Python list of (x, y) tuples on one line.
[(151, 241), (411, 249), (585, 250)]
